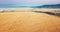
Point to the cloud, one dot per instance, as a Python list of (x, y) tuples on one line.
[(30, 2)]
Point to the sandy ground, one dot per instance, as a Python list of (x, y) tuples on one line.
[(28, 22)]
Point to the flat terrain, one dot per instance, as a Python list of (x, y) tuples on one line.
[(28, 22)]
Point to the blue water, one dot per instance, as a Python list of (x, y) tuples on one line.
[(14, 6), (26, 6)]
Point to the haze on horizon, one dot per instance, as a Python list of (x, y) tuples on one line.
[(29, 2)]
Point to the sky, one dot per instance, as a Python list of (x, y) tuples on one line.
[(29, 2)]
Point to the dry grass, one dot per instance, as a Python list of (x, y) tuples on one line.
[(28, 22)]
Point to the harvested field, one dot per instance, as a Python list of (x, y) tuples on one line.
[(28, 22)]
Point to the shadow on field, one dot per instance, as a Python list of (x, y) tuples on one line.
[(50, 13)]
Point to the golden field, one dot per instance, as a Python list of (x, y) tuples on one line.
[(28, 22)]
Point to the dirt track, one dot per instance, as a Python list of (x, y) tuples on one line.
[(28, 22)]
